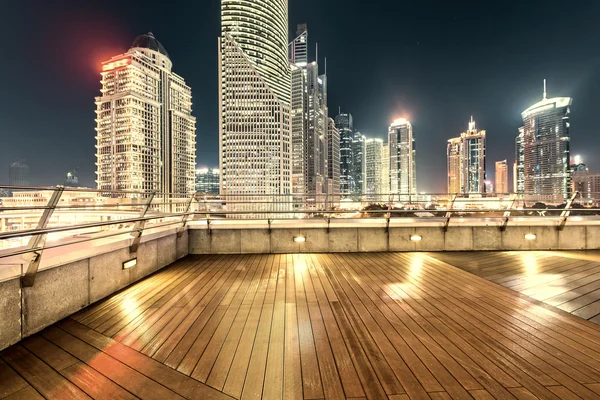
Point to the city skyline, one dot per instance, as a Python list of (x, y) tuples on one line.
[(376, 99)]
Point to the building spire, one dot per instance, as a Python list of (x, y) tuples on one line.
[(545, 92)]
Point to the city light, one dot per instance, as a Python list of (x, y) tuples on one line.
[(416, 238), (530, 236), (299, 239)]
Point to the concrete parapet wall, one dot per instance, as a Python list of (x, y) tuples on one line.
[(65, 288), (245, 240)]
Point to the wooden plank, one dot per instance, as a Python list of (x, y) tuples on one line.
[(160, 374), (274, 370), (234, 381), (210, 304), (321, 312), (502, 357), (51, 354), (523, 394), (232, 324), (39, 375), (311, 378), (94, 383), (292, 377), (123, 375), (221, 363), (28, 393), (403, 340), (10, 381)]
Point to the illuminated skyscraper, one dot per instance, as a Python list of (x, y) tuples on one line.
[(502, 177), (588, 184), (255, 100), (519, 173), (207, 180), (455, 171), (333, 157), (385, 169), (373, 167), (345, 126), (473, 159), (146, 134), (358, 163), (466, 162), (310, 124), (547, 148), (403, 172)]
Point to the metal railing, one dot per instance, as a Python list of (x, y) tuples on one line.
[(34, 219)]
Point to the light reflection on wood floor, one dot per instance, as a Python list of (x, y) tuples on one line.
[(327, 326), (569, 281)]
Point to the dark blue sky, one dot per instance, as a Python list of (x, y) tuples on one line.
[(436, 62)]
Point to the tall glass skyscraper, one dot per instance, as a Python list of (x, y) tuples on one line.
[(502, 177), (374, 165), (146, 134), (333, 162), (519, 174), (466, 162), (359, 153), (403, 171), (345, 127), (547, 149), (255, 99)]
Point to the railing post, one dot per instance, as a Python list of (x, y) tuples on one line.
[(185, 217), (566, 212), (507, 214), (39, 240), (449, 213), (389, 214), (138, 229)]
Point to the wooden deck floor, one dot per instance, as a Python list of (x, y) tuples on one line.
[(334, 326), (569, 281)]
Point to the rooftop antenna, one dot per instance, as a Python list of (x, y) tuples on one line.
[(545, 92), (317, 53), (325, 66), (339, 110)]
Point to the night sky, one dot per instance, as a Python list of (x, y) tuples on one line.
[(434, 62)]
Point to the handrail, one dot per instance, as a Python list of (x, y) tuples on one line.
[(166, 209)]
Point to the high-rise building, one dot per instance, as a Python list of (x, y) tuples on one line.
[(207, 180), (519, 172), (72, 178), (474, 171), (577, 165), (255, 93), (373, 167), (455, 170), (333, 157), (146, 134), (502, 177), (298, 49), (18, 174), (587, 184), (345, 126), (385, 169), (546, 149), (310, 120), (466, 162), (489, 186), (358, 164), (403, 172)]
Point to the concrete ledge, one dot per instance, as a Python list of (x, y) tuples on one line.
[(375, 238)]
